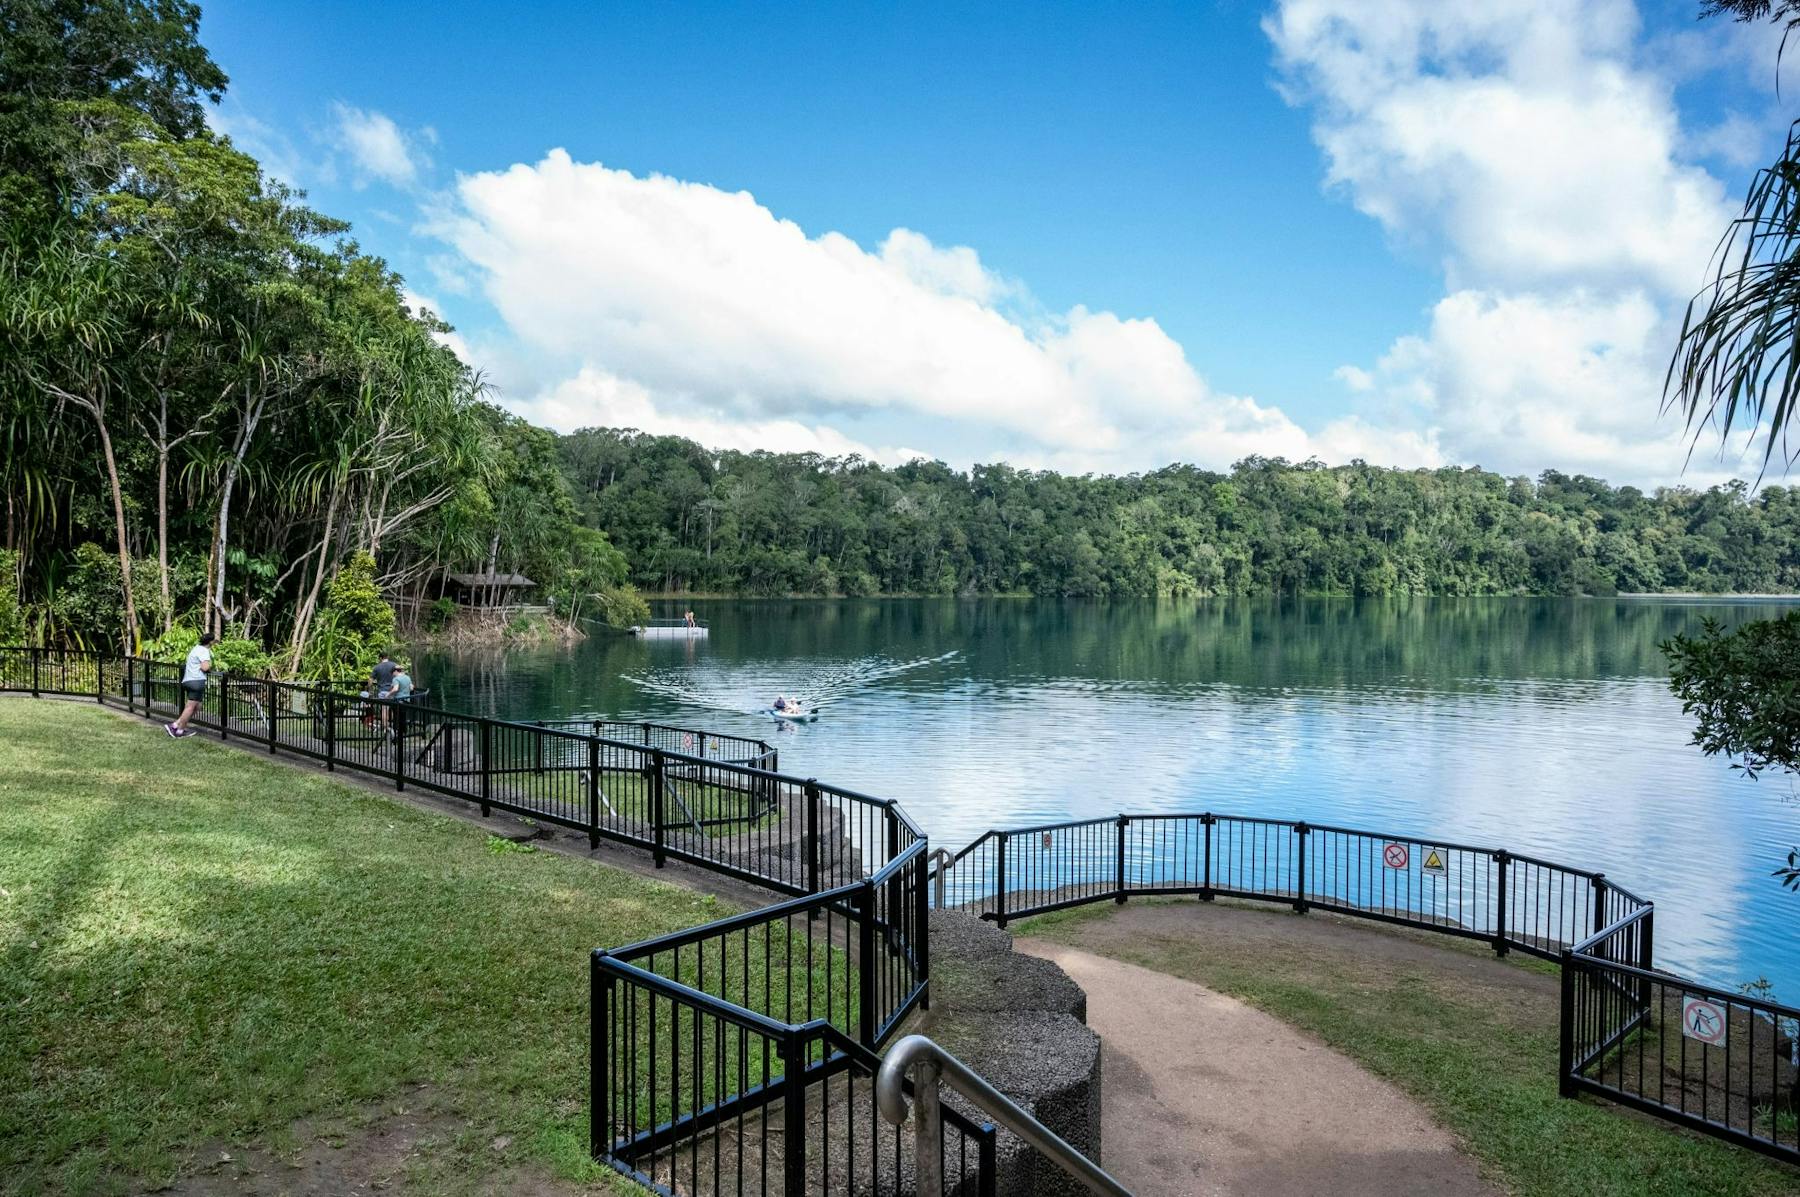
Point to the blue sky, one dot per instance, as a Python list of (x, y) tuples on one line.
[(1136, 232)]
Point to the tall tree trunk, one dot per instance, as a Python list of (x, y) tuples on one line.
[(118, 501), (223, 539), (162, 522), (303, 622)]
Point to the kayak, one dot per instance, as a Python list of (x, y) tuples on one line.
[(792, 716)]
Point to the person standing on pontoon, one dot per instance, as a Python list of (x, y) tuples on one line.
[(691, 621)]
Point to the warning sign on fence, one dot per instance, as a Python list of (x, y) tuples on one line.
[(1394, 856), (1434, 863), (1703, 1020)]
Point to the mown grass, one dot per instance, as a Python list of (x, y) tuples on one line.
[(199, 947), (1477, 1048)]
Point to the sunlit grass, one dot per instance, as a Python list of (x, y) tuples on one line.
[(200, 947)]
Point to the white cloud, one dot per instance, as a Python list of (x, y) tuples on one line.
[(594, 398), (709, 311), (377, 147), (1529, 143)]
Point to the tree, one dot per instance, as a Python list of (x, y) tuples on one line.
[(1735, 363), (1743, 689)]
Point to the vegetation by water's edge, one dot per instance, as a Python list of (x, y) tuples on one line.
[(695, 520), (1479, 1053)]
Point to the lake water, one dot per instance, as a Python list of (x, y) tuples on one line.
[(1541, 725)]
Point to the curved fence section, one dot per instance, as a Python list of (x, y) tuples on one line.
[(1503, 898), (694, 1035), (740, 1056), (1724, 1063)]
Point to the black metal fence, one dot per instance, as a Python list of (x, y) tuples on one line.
[(693, 1034), (1720, 1062), (1628, 1032), (697, 1033), (699, 1039)]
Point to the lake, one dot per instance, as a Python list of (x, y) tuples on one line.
[(1541, 725)]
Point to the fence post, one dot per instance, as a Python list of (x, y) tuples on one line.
[(487, 772), (1599, 888), (1119, 861), (1302, 832), (1503, 859), (1565, 1052), (224, 691), (812, 836), (537, 747), (36, 664), (130, 677), (599, 1093), (896, 900), (921, 936), (656, 802), (593, 793), (1646, 935), (793, 1112), (865, 965), (100, 678), (1000, 879), (330, 729), (398, 711), (1206, 872), (269, 711)]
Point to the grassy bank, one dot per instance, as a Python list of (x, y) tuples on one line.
[(198, 947), (1472, 1038)]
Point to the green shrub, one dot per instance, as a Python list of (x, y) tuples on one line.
[(12, 615), (437, 616)]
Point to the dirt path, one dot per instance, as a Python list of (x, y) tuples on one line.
[(1205, 1095)]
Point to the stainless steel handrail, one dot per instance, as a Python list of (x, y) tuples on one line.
[(942, 860), (934, 1064)]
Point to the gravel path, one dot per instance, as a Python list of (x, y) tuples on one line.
[(1205, 1095)]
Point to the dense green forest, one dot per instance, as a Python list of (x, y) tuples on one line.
[(211, 400), (217, 411), (688, 518)]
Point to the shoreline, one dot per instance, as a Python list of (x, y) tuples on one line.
[(677, 596)]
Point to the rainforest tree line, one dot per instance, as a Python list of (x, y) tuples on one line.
[(212, 402), (688, 518)]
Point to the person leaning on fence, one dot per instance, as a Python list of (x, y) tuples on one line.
[(401, 689), (193, 685)]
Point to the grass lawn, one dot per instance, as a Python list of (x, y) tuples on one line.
[(199, 947), (1473, 1039)]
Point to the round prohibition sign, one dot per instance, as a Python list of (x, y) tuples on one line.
[(1394, 856)]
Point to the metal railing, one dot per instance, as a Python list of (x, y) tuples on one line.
[(1503, 898), (1724, 1063), (1627, 1031), (930, 1066), (694, 1035), (854, 951), (697, 1032), (721, 806)]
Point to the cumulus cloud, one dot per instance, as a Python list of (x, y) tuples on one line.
[(697, 308), (1529, 144), (377, 147)]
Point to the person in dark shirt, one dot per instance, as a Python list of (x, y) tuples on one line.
[(381, 678), (381, 685)]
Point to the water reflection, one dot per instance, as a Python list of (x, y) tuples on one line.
[(1542, 725)]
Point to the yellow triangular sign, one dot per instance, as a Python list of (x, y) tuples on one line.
[(1434, 862)]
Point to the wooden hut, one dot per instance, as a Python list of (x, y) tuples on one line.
[(489, 592)]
